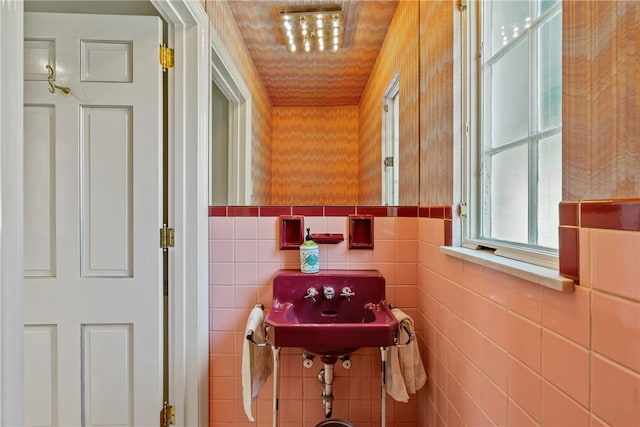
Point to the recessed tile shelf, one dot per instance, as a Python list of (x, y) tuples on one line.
[(360, 231), (291, 231)]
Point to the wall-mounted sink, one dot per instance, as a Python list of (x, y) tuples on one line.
[(330, 313)]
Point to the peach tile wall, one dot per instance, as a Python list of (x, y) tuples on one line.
[(244, 254), (500, 350)]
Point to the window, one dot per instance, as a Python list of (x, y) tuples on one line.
[(514, 116)]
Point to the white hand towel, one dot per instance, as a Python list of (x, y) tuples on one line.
[(257, 363), (405, 372)]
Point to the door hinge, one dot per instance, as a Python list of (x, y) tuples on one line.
[(167, 237), (463, 5), (388, 161), (167, 415), (386, 108), (166, 57)]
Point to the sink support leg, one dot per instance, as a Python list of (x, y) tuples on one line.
[(276, 383), (383, 388)]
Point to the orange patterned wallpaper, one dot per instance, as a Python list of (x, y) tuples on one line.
[(436, 102), (399, 53), (601, 100), (225, 25), (314, 155)]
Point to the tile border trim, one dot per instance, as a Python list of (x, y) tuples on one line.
[(439, 211), (612, 214)]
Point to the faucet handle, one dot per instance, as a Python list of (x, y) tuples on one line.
[(347, 293), (311, 294)]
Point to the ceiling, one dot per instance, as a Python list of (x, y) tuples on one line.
[(316, 78)]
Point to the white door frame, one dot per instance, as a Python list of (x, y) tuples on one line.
[(188, 210), (11, 272)]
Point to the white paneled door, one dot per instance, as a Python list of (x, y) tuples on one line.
[(92, 211)]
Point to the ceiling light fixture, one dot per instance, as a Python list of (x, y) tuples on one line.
[(312, 30)]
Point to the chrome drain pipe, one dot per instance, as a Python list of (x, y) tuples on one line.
[(325, 376)]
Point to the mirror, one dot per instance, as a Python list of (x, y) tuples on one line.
[(323, 155)]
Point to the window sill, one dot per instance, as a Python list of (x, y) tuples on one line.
[(546, 277)]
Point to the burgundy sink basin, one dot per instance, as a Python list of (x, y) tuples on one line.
[(330, 327)]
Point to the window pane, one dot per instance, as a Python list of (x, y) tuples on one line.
[(549, 189), (509, 195), (504, 21), (509, 97), (546, 5), (550, 72)]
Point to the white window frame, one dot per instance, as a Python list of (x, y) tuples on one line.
[(391, 142), (471, 205)]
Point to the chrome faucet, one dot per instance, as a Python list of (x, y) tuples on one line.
[(312, 293), (329, 292), (347, 293)]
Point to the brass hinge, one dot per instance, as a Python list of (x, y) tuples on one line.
[(386, 108), (167, 415), (166, 57), (167, 237)]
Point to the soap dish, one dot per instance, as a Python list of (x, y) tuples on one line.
[(327, 237)]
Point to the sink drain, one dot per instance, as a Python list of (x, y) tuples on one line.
[(335, 423), (329, 313)]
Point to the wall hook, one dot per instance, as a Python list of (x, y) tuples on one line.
[(51, 79)]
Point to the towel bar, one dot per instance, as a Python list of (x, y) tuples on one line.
[(259, 344), (254, 342), (250, 332), (411, 336)]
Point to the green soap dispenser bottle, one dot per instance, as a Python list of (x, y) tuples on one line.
[(309, 262)]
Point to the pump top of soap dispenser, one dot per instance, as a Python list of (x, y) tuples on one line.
[(308, 240)]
